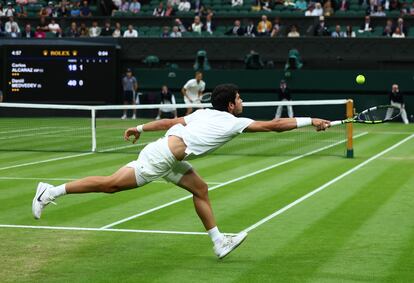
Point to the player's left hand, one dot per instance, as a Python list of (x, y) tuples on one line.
[(132, 132), (320, 124)]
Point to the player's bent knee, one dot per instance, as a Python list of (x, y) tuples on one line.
[(110, 185)]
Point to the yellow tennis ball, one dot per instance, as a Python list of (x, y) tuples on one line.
[(360, 79)]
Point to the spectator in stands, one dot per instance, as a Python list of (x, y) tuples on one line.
[(159, 11), (388, 29), (116, 5), (321, 29), (344, 5), (176, 32), (184, 6), (9, 11), (169, 11), (60, 33), (197, 25), (250, 30), (405, 9), (266, 5), (337, 32), (411, 9), (107, 30), (131, 32), (264, 27), (237, 29), (180, 25), (43, 24), (95, 30), (366, 27), (328, 9), (21, 11), (83, 30), (73, 30), (277, 28), (85, 11), (301, 5), (53, 26), (28, 33), (1, 96), (174, 3), (284, 95), (349, 32), (1, 10), (209, 26), (309, 11), (167, 97), (197, 7), (165, 32), (9, 24), (235, 3), (395, 5), (318, 11), (129, 87), (48, 10), (293, 32), (135, 7), (75, 9), (403, 27), (398, 33), (63, 10), (117, 31), (40, 33), (378, 12), (14, 33), (124, 7)]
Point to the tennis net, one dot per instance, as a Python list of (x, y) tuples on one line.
[(45, 127)]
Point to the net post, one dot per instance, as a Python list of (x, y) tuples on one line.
[(93, 128), (349, 129)]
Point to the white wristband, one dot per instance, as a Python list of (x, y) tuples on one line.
[(303, 122), (140, 128)]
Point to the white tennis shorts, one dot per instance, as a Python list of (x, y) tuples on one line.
[(194, 98), (156, 161)]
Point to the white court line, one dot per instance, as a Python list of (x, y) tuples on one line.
[(72, 179), (106, 230), (226, 183), (42, 133), (69, 156), (324, 186)]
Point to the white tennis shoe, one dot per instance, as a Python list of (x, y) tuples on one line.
[(228, 244), (41, 199)]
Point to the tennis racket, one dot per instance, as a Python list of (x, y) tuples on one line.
[(374, 115), (206, 97)]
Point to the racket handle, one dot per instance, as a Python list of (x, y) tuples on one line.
[(335, 123)]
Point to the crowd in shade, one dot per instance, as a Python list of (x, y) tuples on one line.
[(203, 22)]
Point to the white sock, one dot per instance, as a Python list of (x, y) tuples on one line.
[(58, 191), (215, 235)]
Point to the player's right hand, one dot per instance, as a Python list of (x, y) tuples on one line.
[(132, 132), (320, 124)]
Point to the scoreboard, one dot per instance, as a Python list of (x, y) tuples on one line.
[(67, 73)]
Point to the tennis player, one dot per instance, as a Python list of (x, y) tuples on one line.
[(192, 90), (187, 137)]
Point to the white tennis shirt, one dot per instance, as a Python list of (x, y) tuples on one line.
[(193, 88), (208, 129)]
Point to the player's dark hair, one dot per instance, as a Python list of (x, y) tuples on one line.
[(222, 95)]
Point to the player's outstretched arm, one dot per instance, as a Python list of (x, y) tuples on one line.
[(287, 124), (159, 125)]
